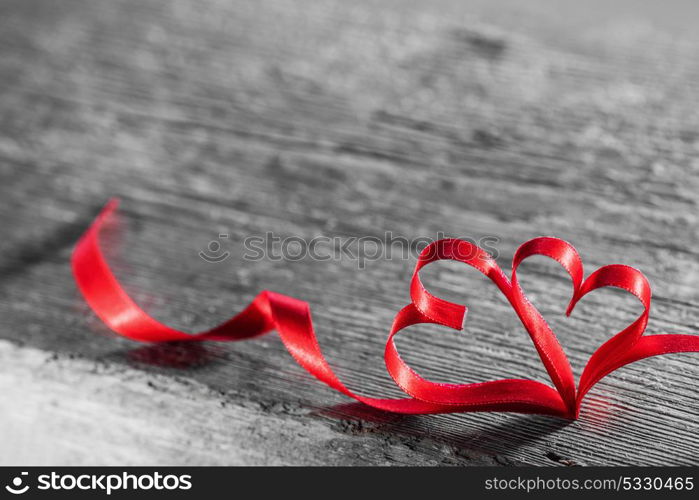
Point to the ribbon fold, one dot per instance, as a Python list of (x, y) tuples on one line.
[(291, 318)]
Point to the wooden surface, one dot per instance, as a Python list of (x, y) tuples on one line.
[(473, 118)]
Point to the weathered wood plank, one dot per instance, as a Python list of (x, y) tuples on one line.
[(329, 118), (39, 400)]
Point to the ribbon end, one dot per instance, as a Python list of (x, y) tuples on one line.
[(464, 317), (111, 205), (571, 305)]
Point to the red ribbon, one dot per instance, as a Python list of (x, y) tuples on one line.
[(292, 320)]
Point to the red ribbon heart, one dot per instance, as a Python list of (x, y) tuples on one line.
[(292, 320)]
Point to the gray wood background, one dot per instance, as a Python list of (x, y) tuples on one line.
[(472, 118)]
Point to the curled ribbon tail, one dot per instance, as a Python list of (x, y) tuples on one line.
[(291, 318)]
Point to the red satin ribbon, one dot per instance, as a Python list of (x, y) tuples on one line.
[(292, 320)]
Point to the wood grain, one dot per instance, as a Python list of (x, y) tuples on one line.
[(467, 118)]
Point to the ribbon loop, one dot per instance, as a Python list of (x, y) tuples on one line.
[(439, 310)]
